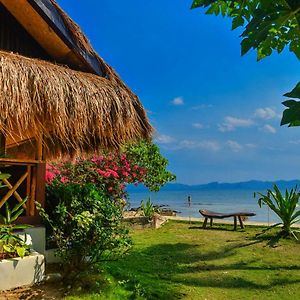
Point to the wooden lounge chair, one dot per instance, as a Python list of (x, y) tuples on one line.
[(207, 214)]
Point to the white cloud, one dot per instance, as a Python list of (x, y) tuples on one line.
[(231, 123), (265, 113), (268, 128), (164, 139), (204, 145), (178, 101), (234, 146), (198, 125)]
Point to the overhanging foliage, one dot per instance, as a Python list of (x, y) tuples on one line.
[(268, 26)]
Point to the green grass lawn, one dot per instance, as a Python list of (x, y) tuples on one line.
[(183, 261)]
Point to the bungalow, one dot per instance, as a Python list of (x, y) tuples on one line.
[(58, 97)]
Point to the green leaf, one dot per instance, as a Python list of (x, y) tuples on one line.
[(8, 213), (19, 205), (237, 22), (4, 176), (246, 45), (21, 251), (289, 103), (291, 115), (295, 93), (8, 248)]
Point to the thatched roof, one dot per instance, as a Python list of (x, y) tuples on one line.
[(74, 111)]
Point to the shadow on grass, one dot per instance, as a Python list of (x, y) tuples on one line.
[(163, 269), (220, 228)]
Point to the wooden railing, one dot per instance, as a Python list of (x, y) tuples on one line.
[(27, 180)]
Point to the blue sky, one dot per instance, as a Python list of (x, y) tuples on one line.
[(216, 114)]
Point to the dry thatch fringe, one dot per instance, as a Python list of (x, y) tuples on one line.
[(78, 37), (76, 112)]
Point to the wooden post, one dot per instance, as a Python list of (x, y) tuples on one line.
[(39, 148), (211, 222), (41, 185), (235, 222), (28, 189)]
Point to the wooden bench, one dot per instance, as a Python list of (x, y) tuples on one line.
[(207, 214)]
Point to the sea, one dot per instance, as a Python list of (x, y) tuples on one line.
[(215, 200)]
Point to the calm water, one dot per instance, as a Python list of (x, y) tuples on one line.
[(220, 200)]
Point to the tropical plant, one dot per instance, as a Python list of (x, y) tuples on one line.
[(148, 157), (284, 206), (148, 208), (11, 244), (267, 26), (85, 225)]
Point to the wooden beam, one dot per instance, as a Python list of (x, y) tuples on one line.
[(19, 161), (16, 194), (40, 30), (9, 194)]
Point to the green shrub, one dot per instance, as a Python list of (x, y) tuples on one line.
[(85, 225)]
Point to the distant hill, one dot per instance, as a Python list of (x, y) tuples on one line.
[(254, 185)]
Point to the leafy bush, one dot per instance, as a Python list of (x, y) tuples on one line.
[(147, 156), (11, 244), (85, 224), (284, 206)]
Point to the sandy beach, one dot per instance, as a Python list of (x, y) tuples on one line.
[(224, 221)]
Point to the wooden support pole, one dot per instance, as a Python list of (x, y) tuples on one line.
[(41, 185), (33, 192), (235, 222), (211, 222), (28, 192), (39, 148)]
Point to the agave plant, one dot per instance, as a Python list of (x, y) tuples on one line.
[(148, 208), (284, 206)]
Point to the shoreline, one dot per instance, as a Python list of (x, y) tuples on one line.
[(222, 221)]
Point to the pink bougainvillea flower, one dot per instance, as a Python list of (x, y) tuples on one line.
[(64, 179), (50, 176)]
